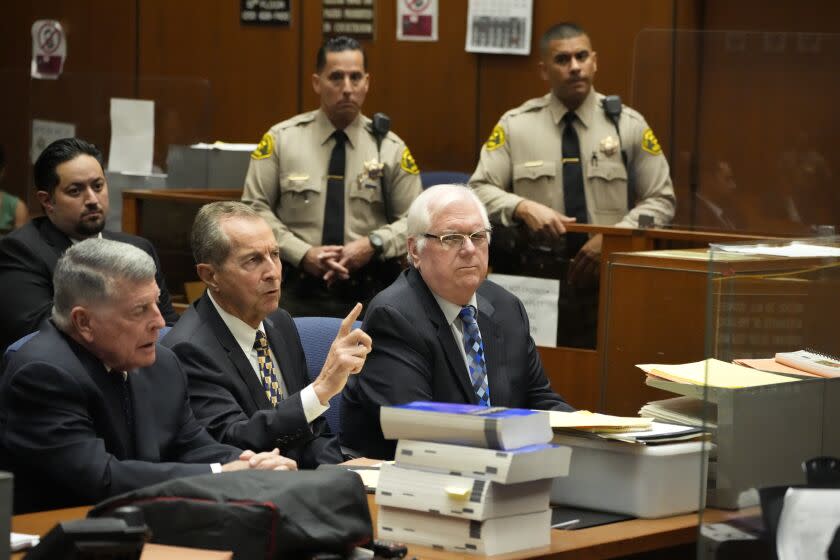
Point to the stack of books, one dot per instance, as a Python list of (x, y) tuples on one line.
[(468, 478)]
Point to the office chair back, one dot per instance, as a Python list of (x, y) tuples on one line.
[(316, 336)]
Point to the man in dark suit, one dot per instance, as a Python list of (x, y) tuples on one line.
[(91, 407), (243, 357), (441, 332), (74, 195)]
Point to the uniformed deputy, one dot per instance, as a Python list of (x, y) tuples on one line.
[(329, 186), (530, 154)]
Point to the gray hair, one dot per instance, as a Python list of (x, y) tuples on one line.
[(430, 202), (89, 270), (209, 243)]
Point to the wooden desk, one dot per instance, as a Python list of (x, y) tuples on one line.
[(607, 541)]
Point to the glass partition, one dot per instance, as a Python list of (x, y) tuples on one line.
[(772, 307), (747, 120)]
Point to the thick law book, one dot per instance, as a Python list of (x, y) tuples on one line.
[(459, 496), (466, 424), (811, 362), (493, 536), (527, 463)]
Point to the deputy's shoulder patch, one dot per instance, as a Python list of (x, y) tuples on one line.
[(497, 138), (407, 162), (265, 148), (650, 144)]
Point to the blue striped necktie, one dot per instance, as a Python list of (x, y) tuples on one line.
[(474, 348)]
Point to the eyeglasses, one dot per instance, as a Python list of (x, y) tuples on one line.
[(456, 240)]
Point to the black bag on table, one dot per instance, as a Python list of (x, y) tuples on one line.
[(256, 514)]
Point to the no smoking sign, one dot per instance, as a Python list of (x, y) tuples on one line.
[(49, 49)]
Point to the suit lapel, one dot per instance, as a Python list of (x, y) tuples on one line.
[(493, 352), (145, 433), (237, 357), (281, 350), (55, 239), (94, 368), (454, 357)]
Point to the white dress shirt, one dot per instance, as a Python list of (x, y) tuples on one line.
[(245, 336)]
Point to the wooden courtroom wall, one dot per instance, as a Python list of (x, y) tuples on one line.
[(216, 79), (442, 100), (102, 38)]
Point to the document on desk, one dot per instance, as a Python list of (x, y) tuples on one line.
[(792, 249), (659, 433), (593, 421), (225, 146), (714, 373), (22, 541), (809, 518)]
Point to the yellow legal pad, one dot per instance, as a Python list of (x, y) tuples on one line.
[(714, 373), (593, 421)]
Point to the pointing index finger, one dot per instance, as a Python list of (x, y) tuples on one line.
[(347, 323)]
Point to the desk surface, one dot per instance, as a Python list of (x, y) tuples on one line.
[(606, 541)]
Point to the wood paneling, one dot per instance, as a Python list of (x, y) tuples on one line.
[(573, 374), (250, 71), (101, 40)]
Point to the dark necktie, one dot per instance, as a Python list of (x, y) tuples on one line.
[(334, 209), (128, 411), (474, 348), (573, 196), (269, 376)]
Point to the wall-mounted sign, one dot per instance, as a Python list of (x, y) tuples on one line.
[(499, 26), (417, 20), (46, 132), (265, 12), (348, 17), (49, 49)]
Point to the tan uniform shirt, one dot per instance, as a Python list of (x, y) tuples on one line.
[(287, 184), (521, 160)]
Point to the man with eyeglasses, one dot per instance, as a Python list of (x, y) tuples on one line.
[(334, 191), (441, 331)]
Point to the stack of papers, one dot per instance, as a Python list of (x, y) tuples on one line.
[(585, 421), (22, 541), (772, 366), (658, 433), (714, 373), (628, 429), (686, 411), (226, 146)]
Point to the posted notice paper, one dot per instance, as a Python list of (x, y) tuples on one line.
[(540, 297), (132, 135)]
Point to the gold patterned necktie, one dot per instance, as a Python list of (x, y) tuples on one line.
[(267, 371)]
